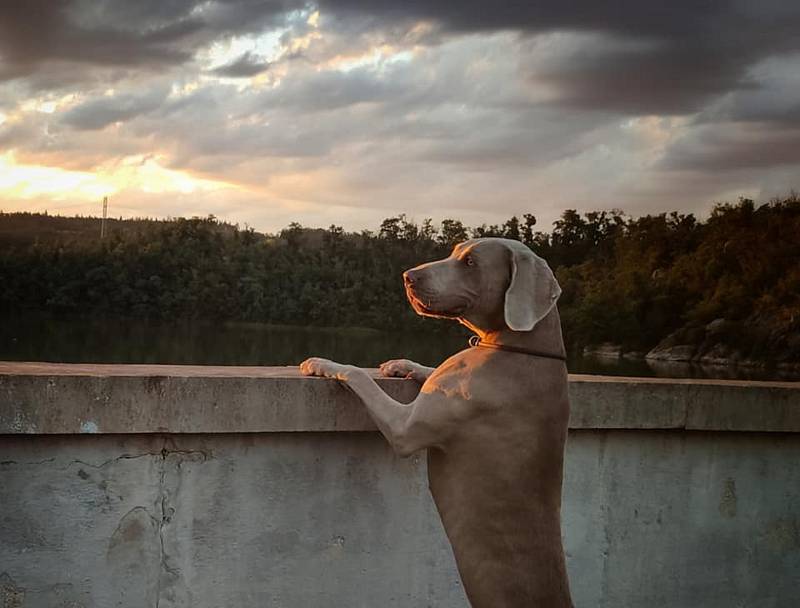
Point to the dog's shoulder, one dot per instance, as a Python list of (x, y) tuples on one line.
[(463, 376), (450, 377)]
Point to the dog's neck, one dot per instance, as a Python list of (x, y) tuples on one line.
[(544, 337)]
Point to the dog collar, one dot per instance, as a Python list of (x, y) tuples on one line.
[(477, 342)]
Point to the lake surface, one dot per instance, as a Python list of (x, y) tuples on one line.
[(32, 338)]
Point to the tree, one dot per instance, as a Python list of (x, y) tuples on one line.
[(511, 229), (451, 233), (527, 229)]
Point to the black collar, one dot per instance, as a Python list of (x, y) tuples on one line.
[(476, 341)]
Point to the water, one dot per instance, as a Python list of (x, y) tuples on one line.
[(35, 338), (211, 343)]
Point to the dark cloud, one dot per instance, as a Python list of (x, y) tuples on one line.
[(101, 112), (245, 66), (118, 33), (773, 97), (748, 128), (652, 79), (628, 17), (664, 57), (733, 147), (38, 32), (675, 56)]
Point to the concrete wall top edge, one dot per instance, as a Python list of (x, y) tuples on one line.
[(56, 398), (43, 368)]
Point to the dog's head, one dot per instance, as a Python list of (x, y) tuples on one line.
[(487, 283)]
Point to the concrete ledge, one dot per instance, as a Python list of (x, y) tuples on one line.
[(50, 398)]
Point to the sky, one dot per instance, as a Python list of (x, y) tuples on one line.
[(342, 112)]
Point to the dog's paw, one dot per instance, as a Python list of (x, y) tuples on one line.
[(396, 368), (317, 366), (399, 368)]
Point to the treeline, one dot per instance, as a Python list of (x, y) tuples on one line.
[(630, 281)]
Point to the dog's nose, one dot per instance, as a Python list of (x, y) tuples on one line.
[(410, 277)]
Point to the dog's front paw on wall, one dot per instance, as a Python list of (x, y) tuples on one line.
[(397, 368), (325, 368)]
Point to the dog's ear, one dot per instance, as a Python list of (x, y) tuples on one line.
[(533, 290)]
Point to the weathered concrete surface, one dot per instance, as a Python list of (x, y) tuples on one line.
[(40, 398), (306, 520), (117, 488), (651, 519), (683, 519)]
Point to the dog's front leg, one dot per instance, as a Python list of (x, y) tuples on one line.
[(389, 415)]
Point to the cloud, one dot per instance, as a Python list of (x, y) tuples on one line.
[(633, 58), (773, 97), (245, 66), (82, 36), (751, 128), (101, 112), (735, 146), (638, 77), (41, 32), (339, 107)]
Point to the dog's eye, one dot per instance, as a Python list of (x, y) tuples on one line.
[(469, 261)]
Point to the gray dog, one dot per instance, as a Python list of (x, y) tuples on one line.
[(493, 417)]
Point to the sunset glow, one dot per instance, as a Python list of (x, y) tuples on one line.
[(30, 181), (335, 112), (24, 181)]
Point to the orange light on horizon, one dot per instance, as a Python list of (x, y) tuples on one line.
[(30, 181), (134, 173)]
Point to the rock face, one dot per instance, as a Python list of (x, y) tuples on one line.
[(724, 342), (676, 353)]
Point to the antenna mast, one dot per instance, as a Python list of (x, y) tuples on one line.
[(103, 222)]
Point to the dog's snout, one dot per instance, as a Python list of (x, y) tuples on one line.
[(410, 277)]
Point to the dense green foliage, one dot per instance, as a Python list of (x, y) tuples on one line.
[(626, 280)]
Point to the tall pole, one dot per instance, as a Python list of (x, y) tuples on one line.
[(103, 222)]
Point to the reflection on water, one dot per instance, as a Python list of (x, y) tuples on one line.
[(210, 343), (33, 338)]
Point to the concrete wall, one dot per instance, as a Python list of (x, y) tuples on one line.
[(227, 487)]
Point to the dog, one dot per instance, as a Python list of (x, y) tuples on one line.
[(493, 418)]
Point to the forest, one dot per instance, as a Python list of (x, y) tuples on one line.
[(634, 282)]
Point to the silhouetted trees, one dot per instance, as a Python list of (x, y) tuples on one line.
[(626, 280)]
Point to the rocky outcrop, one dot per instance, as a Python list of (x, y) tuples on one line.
[(721, 342)]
